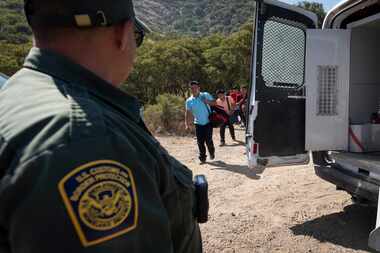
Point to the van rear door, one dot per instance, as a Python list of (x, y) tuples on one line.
[(276, 124), (327, 88)]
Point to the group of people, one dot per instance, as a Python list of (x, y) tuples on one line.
[(199, 107)]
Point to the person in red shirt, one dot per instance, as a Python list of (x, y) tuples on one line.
[(236, 94)]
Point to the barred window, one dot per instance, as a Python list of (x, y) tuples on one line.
[(327, 90), (283, 54)]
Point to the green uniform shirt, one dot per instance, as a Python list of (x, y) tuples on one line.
[(79, 172)]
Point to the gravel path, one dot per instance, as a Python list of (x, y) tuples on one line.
[(282, 209)]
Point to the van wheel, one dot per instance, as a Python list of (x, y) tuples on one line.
[(322, 158), (262, 162)]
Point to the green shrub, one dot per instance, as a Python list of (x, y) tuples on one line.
[(167, 115)]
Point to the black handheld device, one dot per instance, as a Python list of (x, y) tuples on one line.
[(201, 192)]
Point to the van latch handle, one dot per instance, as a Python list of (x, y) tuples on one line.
[(297, 97)]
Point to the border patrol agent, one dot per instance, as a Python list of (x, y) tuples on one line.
[(79, 172)]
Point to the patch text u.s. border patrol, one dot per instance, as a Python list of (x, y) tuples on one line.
[(101, 200)]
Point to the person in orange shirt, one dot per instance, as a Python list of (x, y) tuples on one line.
[(229, 106)]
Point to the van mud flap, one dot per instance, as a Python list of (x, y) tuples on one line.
[(374, 237)]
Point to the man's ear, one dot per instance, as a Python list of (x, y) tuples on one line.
[(123, 34)]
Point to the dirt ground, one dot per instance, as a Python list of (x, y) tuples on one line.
[(282, 209)]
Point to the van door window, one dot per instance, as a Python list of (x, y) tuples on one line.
[(283, 54)]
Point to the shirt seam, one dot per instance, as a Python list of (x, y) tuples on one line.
[(56, 147)]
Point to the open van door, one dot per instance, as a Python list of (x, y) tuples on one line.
[(276, 124), (300, 85), (327, 89)]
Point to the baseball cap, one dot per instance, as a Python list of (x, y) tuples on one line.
[(83, 13), (194, 83)]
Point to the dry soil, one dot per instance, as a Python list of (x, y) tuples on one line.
[(278, 209)]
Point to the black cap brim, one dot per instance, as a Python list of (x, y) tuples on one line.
[(141, 25)]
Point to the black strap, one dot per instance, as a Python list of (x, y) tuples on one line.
[(208, 109), (66, 21), (228, 103)]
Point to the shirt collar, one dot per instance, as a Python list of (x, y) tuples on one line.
[(56, 65), (199, 95)]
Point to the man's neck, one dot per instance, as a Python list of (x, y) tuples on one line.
[(89, 61)]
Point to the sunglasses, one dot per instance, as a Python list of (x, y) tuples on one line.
[(139, 34)]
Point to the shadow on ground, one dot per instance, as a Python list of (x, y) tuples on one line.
[(235, 144), (244, 170), (350, 228)]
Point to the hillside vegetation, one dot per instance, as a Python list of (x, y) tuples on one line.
[(191, 17), (196, 17), (13, 26), (167, 65)]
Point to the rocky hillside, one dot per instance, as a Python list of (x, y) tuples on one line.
[(193, 17), (197, 17)]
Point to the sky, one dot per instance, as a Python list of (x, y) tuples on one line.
[(328, 4)]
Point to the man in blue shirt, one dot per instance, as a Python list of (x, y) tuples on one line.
[(198, 106)]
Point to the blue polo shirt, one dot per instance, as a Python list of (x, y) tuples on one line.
[(199, 109)]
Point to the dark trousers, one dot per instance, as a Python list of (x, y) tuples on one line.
[(223, 131), (242, 116), (204, 137)]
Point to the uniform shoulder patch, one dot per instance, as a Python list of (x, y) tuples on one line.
[(101, 200)]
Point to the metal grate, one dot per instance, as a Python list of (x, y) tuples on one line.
[(283, 63), (327, 91)]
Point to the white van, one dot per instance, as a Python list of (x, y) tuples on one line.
[(318, 90)]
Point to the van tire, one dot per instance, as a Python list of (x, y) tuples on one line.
[(262, 162), (322, 158)]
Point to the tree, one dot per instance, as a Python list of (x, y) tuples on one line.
[(228, 64), (12, 57), (165, 66), (315, 7)]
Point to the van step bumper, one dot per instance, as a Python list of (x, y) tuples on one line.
[(357, 185)]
